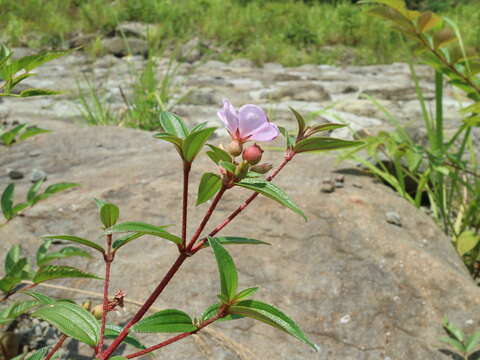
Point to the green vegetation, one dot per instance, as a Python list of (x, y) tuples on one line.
[(289, 32)]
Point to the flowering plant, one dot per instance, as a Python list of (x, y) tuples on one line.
[(237, 167)]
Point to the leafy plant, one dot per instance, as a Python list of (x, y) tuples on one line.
[(236, 167), (20, 133), (456, 338), (10, 210)]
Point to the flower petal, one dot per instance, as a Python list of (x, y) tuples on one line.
[(250, 119), (229, 116), (268, 132)]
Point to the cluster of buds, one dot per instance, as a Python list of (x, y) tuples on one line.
[(97, 310)]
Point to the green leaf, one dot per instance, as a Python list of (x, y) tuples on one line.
[(12, 257), (271, 191), (39, 354), (37, 92), (453, 330), (216, 154), (66, 252), (7, 283), (300, 121), (171, 139), (208, 187), (228, 166), (51, 272), (472, 342), (19, 268), (290, 139), (453, 342), (32, 192), (325, 127), (41, 298), (194, 143), (246, 293), (323, 144), (7, 201), (19, 207), (131, 226), (119, 357), (30, 62), (32, 131), (123, 240), (109, 214), (72, 320), (9, 136), (199, 126), (226, 269), (77, 240), (165, 321), (16, 309), (173, 125), (43, 249), (467, 241), (235, 240), (271, 316), (55, 188), (212, 310), (112, 331)]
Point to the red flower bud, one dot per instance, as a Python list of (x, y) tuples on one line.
[(252, 154)]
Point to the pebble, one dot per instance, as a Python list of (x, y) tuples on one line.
[(328, 186), (15, 174), (34, 153), (393, 218), (37, 175)]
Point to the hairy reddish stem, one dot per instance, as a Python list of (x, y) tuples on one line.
[(57, 346), (176, 338), (168, 276), (288, 156), (186, 172), (108, 257), (206, 217)]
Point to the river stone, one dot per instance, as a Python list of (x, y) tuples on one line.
[(132, 29), (360, 287), (301, 92), (120, 46)]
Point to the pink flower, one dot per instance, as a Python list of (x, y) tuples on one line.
[(252, 154), (248, 123)]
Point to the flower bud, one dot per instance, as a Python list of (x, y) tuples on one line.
[(235, 148), (97, 311), (252, 154), (87, 305), (262, 168)]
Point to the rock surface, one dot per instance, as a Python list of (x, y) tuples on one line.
[(360, 287)]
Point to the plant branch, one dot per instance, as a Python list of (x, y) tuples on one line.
[(151, 299), (57, 346), (288, 156), (108, 257), (186, 171), (176, 338)]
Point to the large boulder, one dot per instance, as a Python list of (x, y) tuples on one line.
[(361, 285)]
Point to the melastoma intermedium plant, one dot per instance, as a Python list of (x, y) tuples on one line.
[(238, 164)]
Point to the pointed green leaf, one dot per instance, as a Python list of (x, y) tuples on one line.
[(454, 343), (300, 121), (51, 272), (246, 293), (12, 257), (472, 342), (34, 190), (39, 354), (30, 62), (212, 310), (200, 126), (208, 187), (37, 92), (118, 357), (123, 240), (32, 131), (19, 208), (99, 203), (72, 320), (173, 125), (9, 136), (453, 330), (7, 201), (109, 214), (271, 191), (16, 309), (112, 331), (54, 188), (7, 283), (235, 240), (323, 144), (290, 139), (41, 298), (131, 226), (467, 241), (43, 249), (226, 268), (270, 315), (195, 142), (216, 154), (168, 321), (230, 167), (19, 268), (77, 240), (171, 139), (66, 252), (325, 127)]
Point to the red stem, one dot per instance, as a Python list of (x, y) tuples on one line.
[(206, 217), (186, 171), (168, 276), (56, 347), (108, 257), (175, 338), (288, 156)]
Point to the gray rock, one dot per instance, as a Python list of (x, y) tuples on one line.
[(302, 92), (132, 29), (191, 51), (359, 287), (203, 96), (37, 175), (119, 46), (15, 174), (394, 218)]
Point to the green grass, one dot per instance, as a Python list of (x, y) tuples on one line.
[(289, 32)]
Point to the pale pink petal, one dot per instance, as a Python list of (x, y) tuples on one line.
[(229, 116), (268, 132), (250, 118)]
